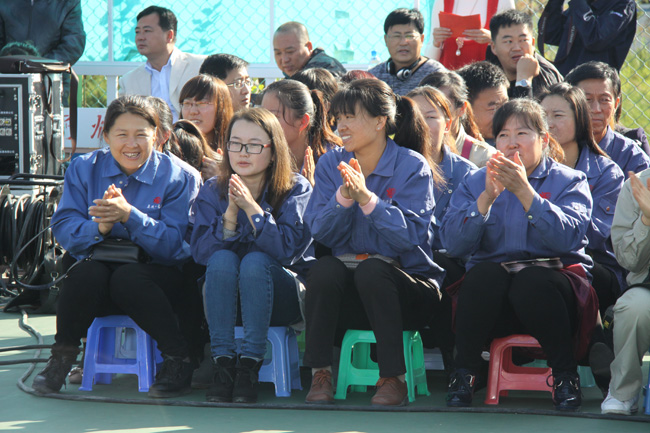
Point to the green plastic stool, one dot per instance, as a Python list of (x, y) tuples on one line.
[(356, 369)]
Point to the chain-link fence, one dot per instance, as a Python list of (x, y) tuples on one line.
[(347, 29)]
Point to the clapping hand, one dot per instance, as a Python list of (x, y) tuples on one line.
[(354, 183), (110, 209), (308, 166), (641, 194)]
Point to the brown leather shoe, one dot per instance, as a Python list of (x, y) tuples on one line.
[(321, 391), (390, 392)]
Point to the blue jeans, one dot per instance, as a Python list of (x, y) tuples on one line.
[(267, 295)]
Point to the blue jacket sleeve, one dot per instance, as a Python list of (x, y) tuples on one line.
[(561, 225), (71, 224), (329, 222), (163, 238), (555, 21), (463, 225), (286, 237), (207, 234), (605, 194), (599, 32), (405, 221)]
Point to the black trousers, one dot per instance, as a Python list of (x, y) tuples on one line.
[(376, 296), (144, 292), (536, 301), (606, 286)]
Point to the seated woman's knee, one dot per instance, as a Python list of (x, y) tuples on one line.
[(372, 275), (225, 260)]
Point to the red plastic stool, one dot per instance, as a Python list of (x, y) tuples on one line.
[(504, 375)]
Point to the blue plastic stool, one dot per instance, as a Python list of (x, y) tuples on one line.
[(102, 354), (283, 367), (357, 370)]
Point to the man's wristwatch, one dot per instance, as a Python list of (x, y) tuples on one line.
[(522, 83)]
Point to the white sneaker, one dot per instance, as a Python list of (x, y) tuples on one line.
[(612, 405)]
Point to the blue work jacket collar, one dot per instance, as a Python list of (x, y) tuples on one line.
[(145, 174)]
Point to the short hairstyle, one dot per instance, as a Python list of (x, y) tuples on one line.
[(404, 16), (318, 79), (356, 74), (132, 104), (19, 48), (295, 27), (532, 115), (480, 76), (595, 70), (220, 65), (279, 174), (576, 99), (508, 18), (215, 90), (166, 18)]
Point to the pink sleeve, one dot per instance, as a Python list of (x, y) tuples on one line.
[(370, 206), (345, 202)]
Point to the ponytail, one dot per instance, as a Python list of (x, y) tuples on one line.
[(320, 134)]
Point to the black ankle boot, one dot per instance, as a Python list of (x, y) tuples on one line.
[(52, 378), (220, 390), (247, 380), (173, 379), (566, 391)]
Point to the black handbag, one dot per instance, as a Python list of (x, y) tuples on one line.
[(115, 250)]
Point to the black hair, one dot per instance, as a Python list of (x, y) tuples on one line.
[(480, 76), (191, 145), (318, 79), (508, 18), (595, 70), (403, 118), (20, 48), (133, 104), (220, 65), (165, 121), (166, 18), (404, 16)]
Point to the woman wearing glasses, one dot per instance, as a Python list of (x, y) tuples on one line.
[(249, 232), (206, 102)]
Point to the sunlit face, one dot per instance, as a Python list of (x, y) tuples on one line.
[(249, 165), (485, 105), (511, 44), (290, 54), (404, 44), (202, 113), (436, 121), (241, 98), (560, 118), (296, 139), (516, 136), (602, 104), (359, 131), (150, 39), (131, 140)]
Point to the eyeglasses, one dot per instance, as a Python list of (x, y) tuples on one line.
[(201, 105), (238, 84), (252, 148), (396, 37)]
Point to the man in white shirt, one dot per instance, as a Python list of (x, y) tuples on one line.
[(167, 69)]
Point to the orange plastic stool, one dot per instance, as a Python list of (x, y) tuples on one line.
[(504, 375)]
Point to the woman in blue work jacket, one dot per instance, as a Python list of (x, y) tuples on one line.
[(249, 232), (522, 206), (373, 205), (567, 112), (129, 191)]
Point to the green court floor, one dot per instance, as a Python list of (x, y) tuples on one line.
[(20, 411)]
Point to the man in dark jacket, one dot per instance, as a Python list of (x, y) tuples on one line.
[(294, 51), (513, 50), (601, 30), (53, 26)]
